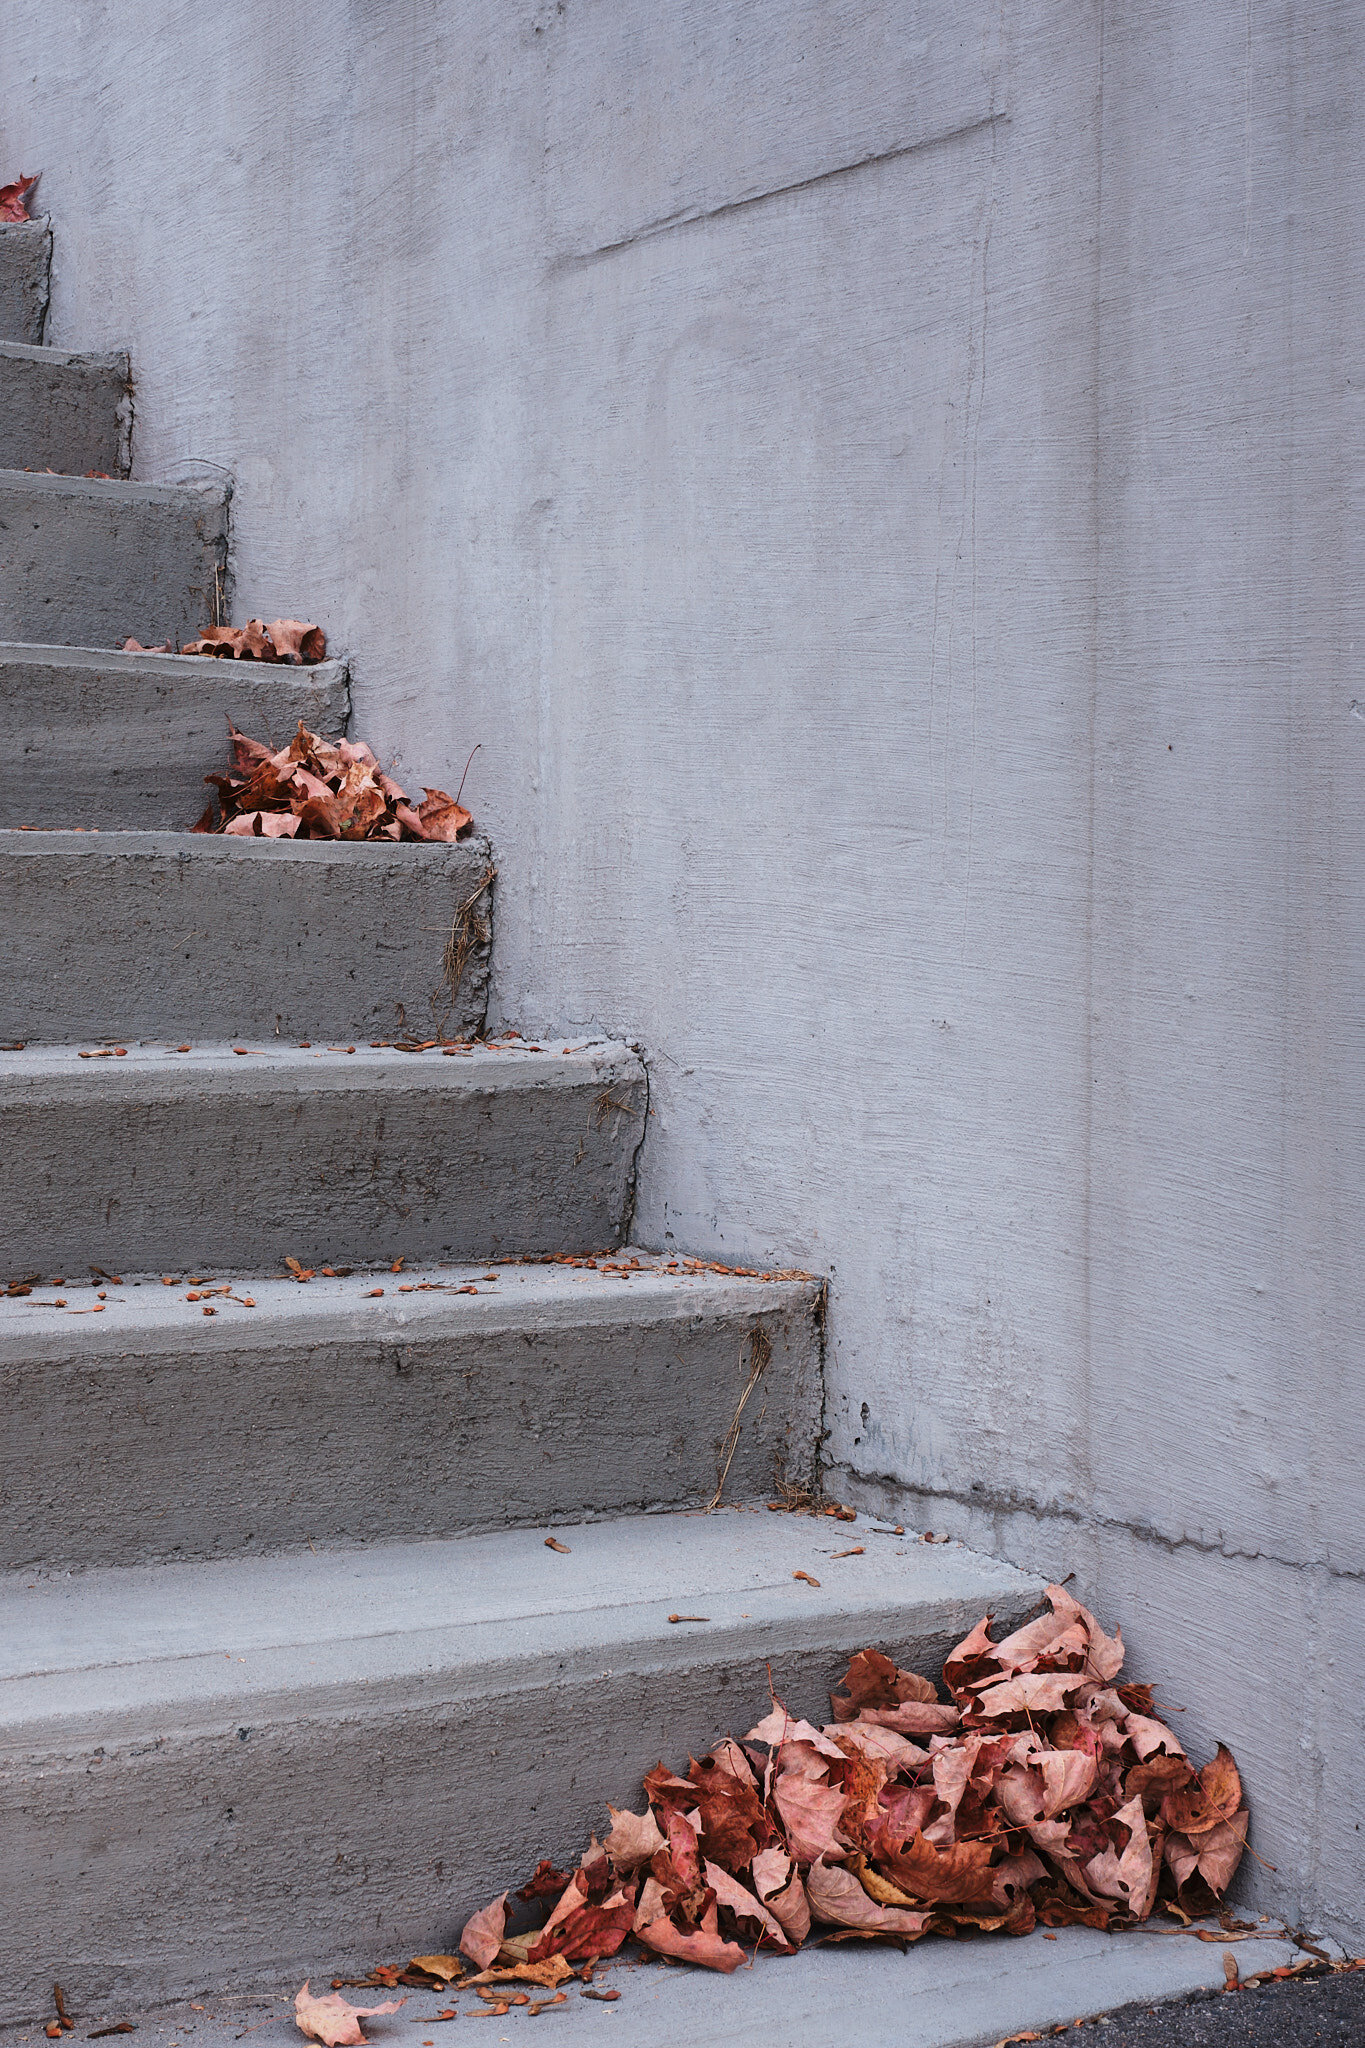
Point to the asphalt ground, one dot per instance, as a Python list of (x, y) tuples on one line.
[(1313, 2012)]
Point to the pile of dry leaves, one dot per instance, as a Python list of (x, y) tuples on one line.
[(322, 789), (291, 640), (1043, 1792)]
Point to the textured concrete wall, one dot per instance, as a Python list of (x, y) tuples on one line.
[(879, 479)]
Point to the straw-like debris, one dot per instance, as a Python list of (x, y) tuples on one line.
[(1041, 1790), (317, 788)]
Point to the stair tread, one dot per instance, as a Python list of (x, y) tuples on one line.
[(152, 1316), (942, 1994), (108, 842), (151, 1069), (159, 1646), (109, 490), (96, 359)]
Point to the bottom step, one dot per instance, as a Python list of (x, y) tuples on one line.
[(209, 1770), (942, 1994)]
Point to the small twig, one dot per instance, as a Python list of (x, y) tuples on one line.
[(472, 752), (760, 1351)]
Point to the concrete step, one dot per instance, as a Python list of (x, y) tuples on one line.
[(543, 1393), (167, 1162), (86, 564), (212, 1770), (169, 934), (942, 1994), (71, 413), (93, 737), (25, 268)]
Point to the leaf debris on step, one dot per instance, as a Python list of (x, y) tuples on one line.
[(317, 788), (1039, 1791)]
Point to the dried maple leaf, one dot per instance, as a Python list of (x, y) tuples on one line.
[(553, 1970), (837, 1898), (443, 1968), (545, 1882), (703, 1944), (483, 1932), (633, 1839), (441, 817), (335, 2022), (872, 1680), (14, 197), (960, 1874), (296, 641), (810, 1814)]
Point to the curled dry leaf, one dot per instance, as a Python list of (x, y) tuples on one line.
[(333, 2021), (1043, 1793), (316, 788), (14, 197), (482, 1937)]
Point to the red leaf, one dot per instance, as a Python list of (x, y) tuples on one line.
[(14, 198)]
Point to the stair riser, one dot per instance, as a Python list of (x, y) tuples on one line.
[(25, 268), (241, 938), (71, 413), (452, 1430), (87, 564), (125, 740), (231, 1169), (171, 1861)]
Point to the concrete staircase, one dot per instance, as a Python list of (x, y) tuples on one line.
[(290, 1676)]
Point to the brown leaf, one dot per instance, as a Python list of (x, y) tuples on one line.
[(704, 1944), (14, 197), (1202, 1802), (483, 1932), (296, 641), (443, 1968), (546, 1882), (758, 1923), (633, 1839), (333, 2021), (837, 1898), (960, 1874), (872, 1680), (584, 1928), (810, 1814), (442, 817), (553, 1970)]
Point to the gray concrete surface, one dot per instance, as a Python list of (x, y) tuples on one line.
[(214, 1769), (93, 737), (886, 476), (162, 1160), (549, 1394), (139, 933), (86, 564), (942, 1994), (25, 265), (71, 413)]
